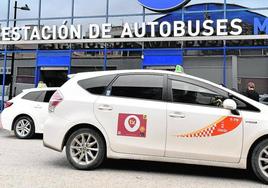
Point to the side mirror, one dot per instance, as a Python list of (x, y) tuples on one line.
[(229, 104)]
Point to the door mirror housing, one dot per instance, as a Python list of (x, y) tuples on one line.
[(229, 104)]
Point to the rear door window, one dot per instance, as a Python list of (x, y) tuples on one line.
[(138, 86), (183, 92)]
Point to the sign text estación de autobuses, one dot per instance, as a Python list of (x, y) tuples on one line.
[(221, 27), (139, 30)]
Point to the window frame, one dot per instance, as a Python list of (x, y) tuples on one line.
[(164, 86)]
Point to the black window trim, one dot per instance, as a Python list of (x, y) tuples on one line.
[(164, 86)]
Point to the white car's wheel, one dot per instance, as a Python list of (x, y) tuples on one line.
[(85, 149), (24, 127), (259, 161)]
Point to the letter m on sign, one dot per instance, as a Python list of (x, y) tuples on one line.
[(260, 27)]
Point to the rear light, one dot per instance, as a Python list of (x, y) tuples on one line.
[(7, 104), (55, 100)]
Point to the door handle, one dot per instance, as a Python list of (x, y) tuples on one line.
[(177, 115), (105, 107), (38, 106)]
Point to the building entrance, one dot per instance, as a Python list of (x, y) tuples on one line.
[(54, 76)]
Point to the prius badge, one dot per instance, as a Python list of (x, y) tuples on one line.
[(163, 5)]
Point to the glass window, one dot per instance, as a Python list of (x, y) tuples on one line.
[(96, 85), (31, 13), (85, 8), (25, 75), (48, 95), (39, 96), (249, 4), (3, 9), (52, 8), (121, 7), (34, 96), (266, 99), (183, 92), (138, 86), (242, 105)]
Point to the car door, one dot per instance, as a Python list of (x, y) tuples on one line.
[(133, 114), (198, 127)]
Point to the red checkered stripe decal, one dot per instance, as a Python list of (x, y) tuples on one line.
[(222, 126)]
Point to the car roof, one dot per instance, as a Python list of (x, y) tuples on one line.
[(109, 72), (85, 75), (40, 89)]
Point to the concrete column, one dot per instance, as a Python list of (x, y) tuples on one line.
[(234, 72)]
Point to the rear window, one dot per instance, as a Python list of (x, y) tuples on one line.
[(39, 96), (96, 85), (33, 96)]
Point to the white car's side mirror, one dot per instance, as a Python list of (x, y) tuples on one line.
[(229, 104)]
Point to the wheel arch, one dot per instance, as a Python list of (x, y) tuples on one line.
[(80, 126), (17, 117), (255, 143)]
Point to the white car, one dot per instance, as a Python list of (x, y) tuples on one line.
[(157, 116), (26, 112)]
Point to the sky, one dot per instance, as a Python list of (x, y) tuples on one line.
[(60, 8)]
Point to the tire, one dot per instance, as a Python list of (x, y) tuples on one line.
[(88, 154), (259, 161), (24, 127)]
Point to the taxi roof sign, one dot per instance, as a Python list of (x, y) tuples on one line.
[(179, 69)]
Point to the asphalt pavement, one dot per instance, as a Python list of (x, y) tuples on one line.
[(28, 164)]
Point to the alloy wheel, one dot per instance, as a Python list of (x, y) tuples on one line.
[(84, 148), (23, 127), (263, 161)]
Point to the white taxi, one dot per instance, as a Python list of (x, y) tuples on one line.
[(158, 116)]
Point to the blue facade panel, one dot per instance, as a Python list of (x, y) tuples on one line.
[(53, 59), (162, 57)]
